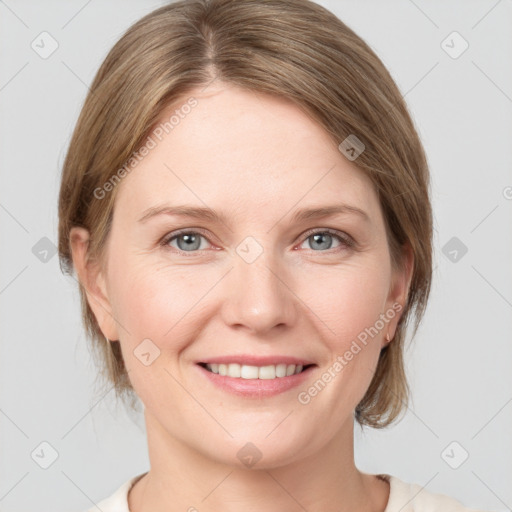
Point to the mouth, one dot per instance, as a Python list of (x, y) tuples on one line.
[(249, 372), (256, 381)]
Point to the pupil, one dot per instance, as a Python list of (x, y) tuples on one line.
[(318, 237), (191, 241)]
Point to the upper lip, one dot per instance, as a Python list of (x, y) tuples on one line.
[(253, 360)]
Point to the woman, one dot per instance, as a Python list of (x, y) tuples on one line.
[(245, 202)]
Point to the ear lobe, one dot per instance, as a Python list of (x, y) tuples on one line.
[(92, 281)]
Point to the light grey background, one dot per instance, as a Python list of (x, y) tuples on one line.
[(459, 363)]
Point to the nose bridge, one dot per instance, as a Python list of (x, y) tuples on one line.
[(259, 298)]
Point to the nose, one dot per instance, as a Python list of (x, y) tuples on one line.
[(259, 296)]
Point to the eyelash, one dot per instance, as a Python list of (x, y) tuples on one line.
[(343, 238)]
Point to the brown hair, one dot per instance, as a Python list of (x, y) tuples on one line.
[(294, 49)]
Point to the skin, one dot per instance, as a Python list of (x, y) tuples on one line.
[(257, 159)]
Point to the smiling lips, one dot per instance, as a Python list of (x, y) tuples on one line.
[(255, 376), (256, 381)]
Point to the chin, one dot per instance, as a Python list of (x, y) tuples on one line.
[(254, 450)]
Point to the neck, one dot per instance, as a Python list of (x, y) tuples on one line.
[(181, 478)]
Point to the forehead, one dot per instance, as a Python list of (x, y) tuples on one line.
[(230, 146)]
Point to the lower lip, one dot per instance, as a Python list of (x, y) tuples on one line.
[(256, 388)]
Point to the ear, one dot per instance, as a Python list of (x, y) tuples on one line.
[(399, 291), (93, 282)]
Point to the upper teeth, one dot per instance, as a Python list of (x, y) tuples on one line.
[(254, 372)]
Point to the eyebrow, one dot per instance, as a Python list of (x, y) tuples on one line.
[(205, 213)]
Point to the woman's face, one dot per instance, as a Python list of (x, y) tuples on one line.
[(261, 284)]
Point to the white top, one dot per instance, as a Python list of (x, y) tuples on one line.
[(403, 497)]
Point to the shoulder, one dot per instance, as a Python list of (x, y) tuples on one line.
[(411, 497), (118, 501)]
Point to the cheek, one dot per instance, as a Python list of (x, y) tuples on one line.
[(349, 308), (350, 300), (154, 308), (158, 303)]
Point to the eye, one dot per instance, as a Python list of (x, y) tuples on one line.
[(322, 240), (186, 241)]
